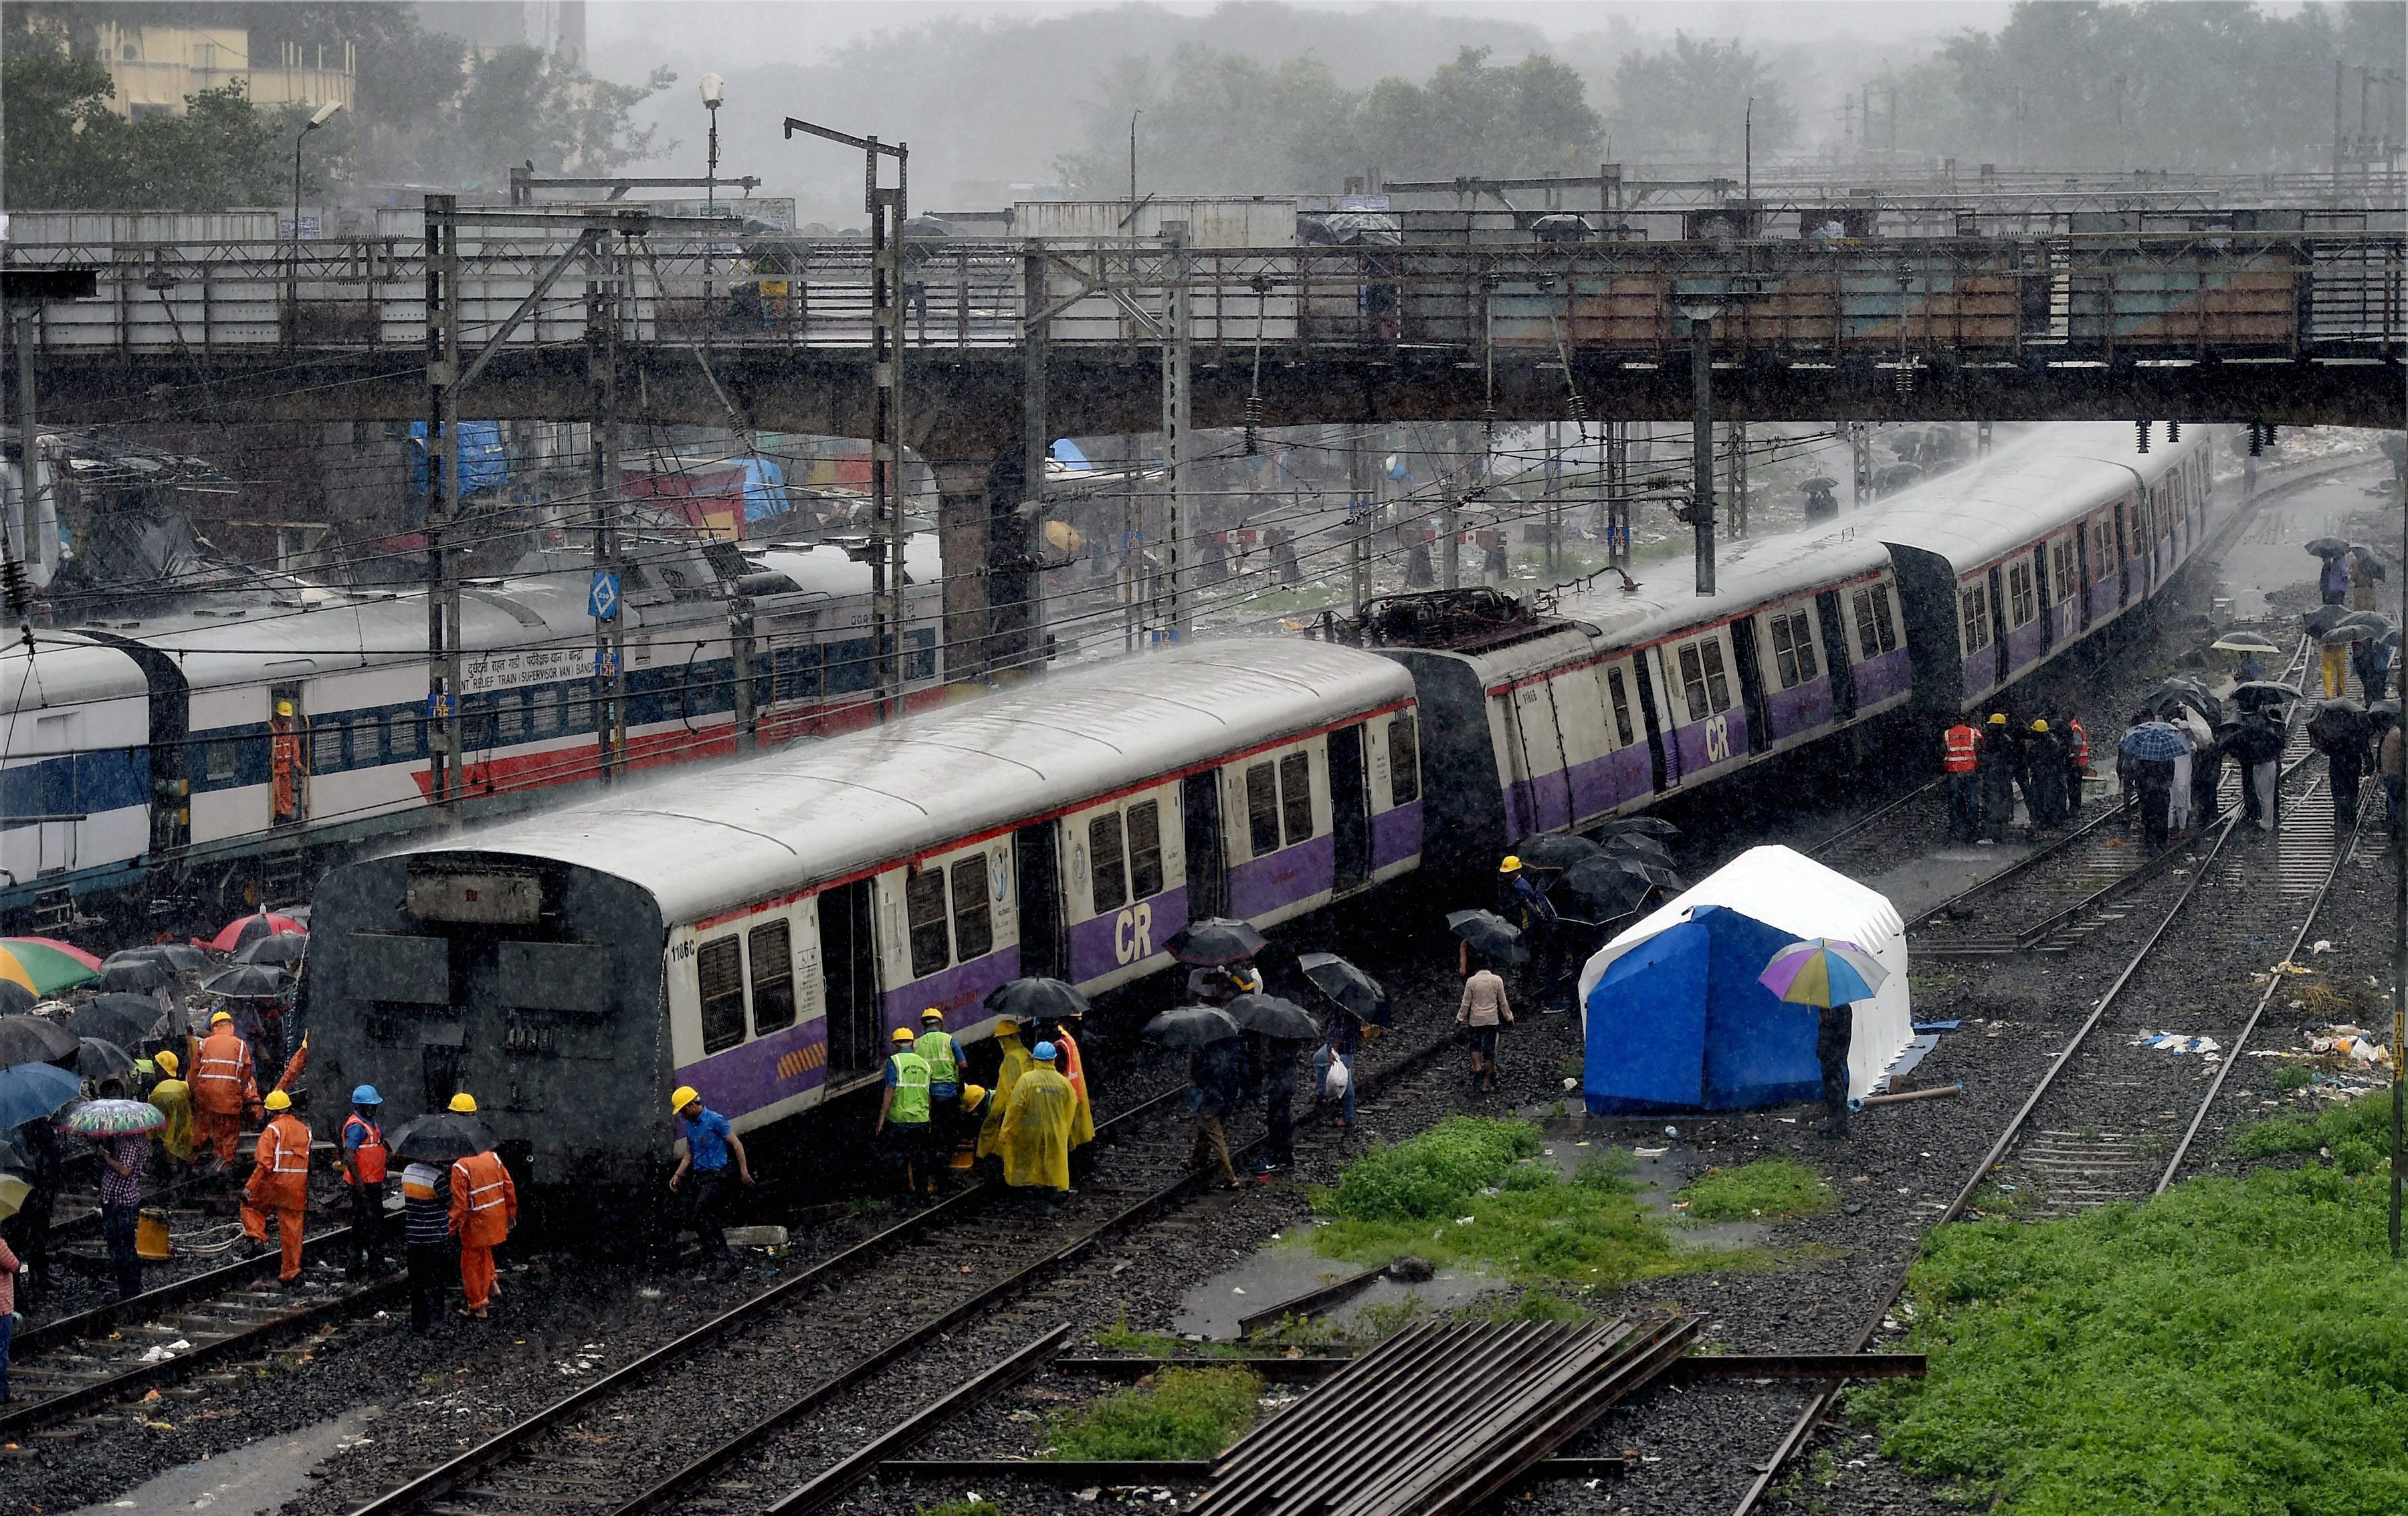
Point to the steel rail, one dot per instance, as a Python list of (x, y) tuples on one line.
[(1865, 823), (168, 1296), (1802, 1430)]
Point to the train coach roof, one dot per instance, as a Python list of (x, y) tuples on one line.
[(64, 672), (1760, 571), (2043, 484), (710, 840)]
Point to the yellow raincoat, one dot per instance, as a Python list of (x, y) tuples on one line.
[(1017, 1061), (1082, 1121), (1035, 1137), (174, 1098)]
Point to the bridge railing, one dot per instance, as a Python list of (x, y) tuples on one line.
[(2066, 299)]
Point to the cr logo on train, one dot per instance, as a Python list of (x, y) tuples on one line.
[(1133, 932)]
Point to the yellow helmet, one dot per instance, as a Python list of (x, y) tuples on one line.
[(1511, 866), (278, 1100), (903, 1034), (682, 1096), (465, 1103), (285, 707), (932, 1014), (2040, 726), (167, 1060), (221, 1016), (972, 1095), (1005, 1025), (1998, 718)]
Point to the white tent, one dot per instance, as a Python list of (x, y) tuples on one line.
[(1673, 1014)]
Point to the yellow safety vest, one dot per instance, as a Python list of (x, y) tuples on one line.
[(943, 1062), (911, 1107)]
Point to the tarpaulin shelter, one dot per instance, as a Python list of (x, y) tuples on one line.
[(1674, 1015)]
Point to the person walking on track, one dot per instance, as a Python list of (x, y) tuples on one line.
[(224, 1089), (484, 1206), (710, 1142), (364, 1174), (1482, 1009), (1996, 763), (279, 1183), (905, 1105)]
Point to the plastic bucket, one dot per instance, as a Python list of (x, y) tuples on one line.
[(151, 1234)]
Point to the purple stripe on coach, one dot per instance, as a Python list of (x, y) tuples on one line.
[(2023, 647), (1396, 835), (1262, 885), (746, 1078), (1802, 709), (956, 991), (1117, 939), (1882, 678)]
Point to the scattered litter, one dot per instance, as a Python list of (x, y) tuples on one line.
[(648, 1292), (1237, 1288), (2176, 1042), (1570, 1084), (1787, 1120), (1651, 1153), (2323, 944), (1464, 1221), (1671, 1131)]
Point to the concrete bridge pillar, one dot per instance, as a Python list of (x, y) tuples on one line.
[(988, 557)]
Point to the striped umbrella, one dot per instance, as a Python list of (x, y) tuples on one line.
[(113, 1118), (1821, 972), (44, 966)]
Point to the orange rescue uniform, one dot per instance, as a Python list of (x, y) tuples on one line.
[(484, 1206), (1960, 750), (279, 1183), (222, 1089)]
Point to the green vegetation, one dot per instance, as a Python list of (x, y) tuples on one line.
[(1464, 1194), (1768, 1190), (1180, 1413), (971, 1507), (2357, 1134), (2231, 1347), (2294, 1077)]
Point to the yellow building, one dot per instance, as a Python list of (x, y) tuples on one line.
[(155, 68)]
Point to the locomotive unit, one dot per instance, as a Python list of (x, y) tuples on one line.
[(757, 936), (223, 750)]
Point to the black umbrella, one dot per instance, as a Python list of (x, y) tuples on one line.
[(2365, 558), (2342, 632), (1489, 933), (2244, 642), (30, 1040), (2340, 723), (2184, 691), (1191, 1026), (1348, 987), (15, 999), (441, 1138), (2324, 618), (2250, 694), (1037, 1000), (2327, 547), (248, 982), (1636, 845), (1640, 826), (2373, 621), (97, 1058), (129, 974), (275, 948), (1281, 1020), (1616, 884), (2255, 742), (122, 1019), (1215, 940), (1553, 849), (1820, 482), (182, 957)]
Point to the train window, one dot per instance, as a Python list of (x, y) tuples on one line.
[(2102, 545), (973, 932), (509, 717), (1613, 683), (798, 672), (1975, 603), (1876, 632), (2063, 568), (1262, 809), (1145, 848), (1705, 685), (2023, 597), (851, 666), (1405, 761), (772, 952), (221, 760), (721, 968), (1105, 868), (1793, 649), (923, 906), (919, 654), (325, 747), (1295, 796), (547, 712)]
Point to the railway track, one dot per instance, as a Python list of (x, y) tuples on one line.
[(852, 1323), (2106, 1121)]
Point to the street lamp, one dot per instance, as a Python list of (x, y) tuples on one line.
[(714, 94), (317, 118)]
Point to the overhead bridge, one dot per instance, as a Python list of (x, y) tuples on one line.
[(774, 331)]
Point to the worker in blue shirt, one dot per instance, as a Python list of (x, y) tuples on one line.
[(708, 1142)]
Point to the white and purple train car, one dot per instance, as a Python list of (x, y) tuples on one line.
[(757, 930)]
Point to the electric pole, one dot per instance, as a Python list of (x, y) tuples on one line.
[(607, 599), (1177, 368), (444, 674)]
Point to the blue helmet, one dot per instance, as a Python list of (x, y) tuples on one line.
[(1042, 1052), (366, 1095)]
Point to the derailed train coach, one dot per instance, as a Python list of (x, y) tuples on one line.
[(758, 930)]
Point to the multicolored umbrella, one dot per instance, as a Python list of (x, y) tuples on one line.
[(1821, 972), (243, 930), (2154, 741), (45, 966), (113, 1118)]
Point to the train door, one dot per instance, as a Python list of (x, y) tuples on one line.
[(288, 761), (2044, 594), (1037, 865), (2122, 554), (1998, 626), (849, 961), (1663, 753), (1750, 683), (1350, 807), (1538, 739), (1835, 656), (2082, 567), (1200, 810)]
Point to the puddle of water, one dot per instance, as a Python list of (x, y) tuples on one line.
[(251, 1480)]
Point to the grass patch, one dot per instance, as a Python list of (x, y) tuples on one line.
[(970, 1507), (1768, 1189), (2357, 1133), (2294, 1077), (1477, 1192), (2231, 1347), (1180, 1413)]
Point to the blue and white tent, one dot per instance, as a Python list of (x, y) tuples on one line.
[(1676, 1020)]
